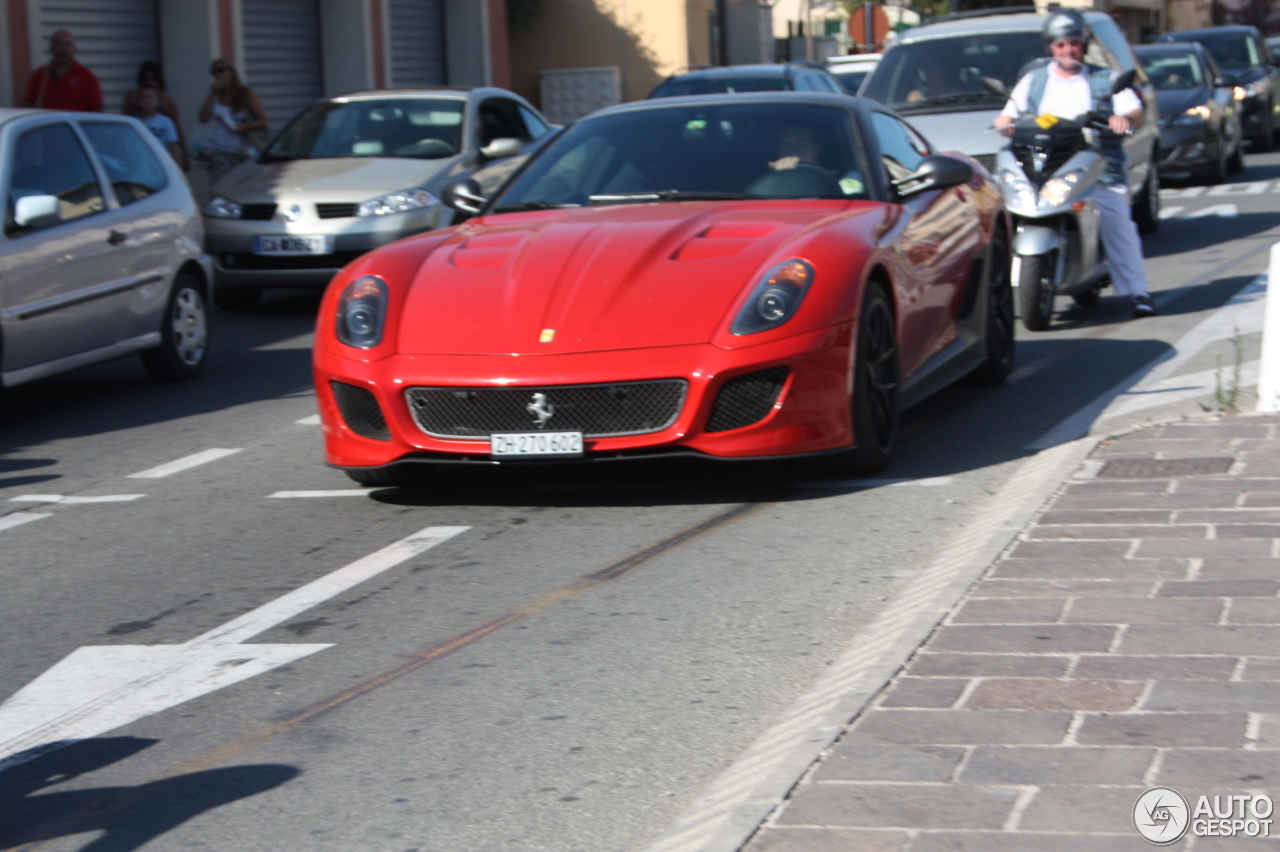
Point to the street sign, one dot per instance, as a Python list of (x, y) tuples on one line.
[(868, 26)]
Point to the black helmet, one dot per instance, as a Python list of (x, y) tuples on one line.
[(1065, 23)]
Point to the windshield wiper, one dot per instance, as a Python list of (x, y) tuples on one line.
[(671, 195), (518, 206)]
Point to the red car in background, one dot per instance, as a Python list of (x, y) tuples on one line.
[(731, 277)]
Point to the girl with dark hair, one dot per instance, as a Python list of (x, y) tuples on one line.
[(150, 76), (237, 124)]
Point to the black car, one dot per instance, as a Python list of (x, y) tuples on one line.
[(1242, 52), (791, 77), (1201, 133)]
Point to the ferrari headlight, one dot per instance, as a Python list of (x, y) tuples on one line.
[(1056, 190), (400, 201), (362, 311), (1017, 190), (1195, 115), (775, 299), (222, 208)]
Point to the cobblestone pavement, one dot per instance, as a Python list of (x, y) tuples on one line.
[(1130, 638)]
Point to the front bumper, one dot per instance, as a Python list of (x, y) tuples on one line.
[(1185, 149), (230, 242), (811, 415)]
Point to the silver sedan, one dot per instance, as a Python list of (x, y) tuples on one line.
[(353, 173), (101, 255)]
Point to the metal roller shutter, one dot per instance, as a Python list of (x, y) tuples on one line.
[(417, 43), (113, 37), (282, 55)]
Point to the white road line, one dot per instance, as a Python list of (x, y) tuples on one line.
[(1248, 188), (312, 420), (1170, 212), (336, 492), (1240, 312), (17, 519), (931, 481), (63, 499), (283, 608), (1223, 211), (184, 463)]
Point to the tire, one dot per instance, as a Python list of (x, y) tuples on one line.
[(1266, 140), (1146, 207), (1235, 163), (998, 338), (236, 298), (399, 476), (184, 334), (1035, 296), (874, 405), (1217, 173), (1087, 299)]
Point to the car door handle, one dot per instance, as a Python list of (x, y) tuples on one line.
[(117, 237)]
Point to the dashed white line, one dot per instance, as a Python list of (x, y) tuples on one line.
[(313, 420), (62, 498), (17, 519), (184, 463), (335, 492)]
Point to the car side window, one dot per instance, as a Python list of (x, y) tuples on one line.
[(901, 149), (537, 127), (500, 119), (50, 160), (132, 167)]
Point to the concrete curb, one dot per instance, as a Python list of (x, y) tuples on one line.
[(729, 813)]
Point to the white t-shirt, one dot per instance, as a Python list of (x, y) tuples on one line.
[(1066, 97), (162, 127)]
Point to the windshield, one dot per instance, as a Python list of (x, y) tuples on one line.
[(1172, 71), (719, 86), (929, 74), (749, 150), (1230, 50), (851, 80), (419, 128)]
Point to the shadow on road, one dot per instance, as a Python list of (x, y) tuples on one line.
[(1187, 235), (128, 817)]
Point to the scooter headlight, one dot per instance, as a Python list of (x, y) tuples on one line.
[(1057, 190), (1018, 191)]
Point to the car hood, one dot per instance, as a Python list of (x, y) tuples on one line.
[(343, 179), (966, 132), (595, 279), (1174, 102)]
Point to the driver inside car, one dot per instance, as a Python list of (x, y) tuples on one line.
[(799, 145)]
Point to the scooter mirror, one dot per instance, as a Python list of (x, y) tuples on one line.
[(1124, 81), (994, 86)]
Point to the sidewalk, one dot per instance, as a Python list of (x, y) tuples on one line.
[(1130, 638)]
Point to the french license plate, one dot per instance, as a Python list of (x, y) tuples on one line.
[(293, 245), (531, 444)]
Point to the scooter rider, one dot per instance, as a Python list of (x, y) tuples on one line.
[(1067, 87)]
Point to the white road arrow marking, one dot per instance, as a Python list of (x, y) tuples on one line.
[(96, 689)]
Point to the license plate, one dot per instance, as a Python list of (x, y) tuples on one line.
[(531, 444), (293, 245)]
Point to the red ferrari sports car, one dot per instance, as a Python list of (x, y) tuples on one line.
[(732, 277)]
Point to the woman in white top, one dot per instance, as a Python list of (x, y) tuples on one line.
[(236, 114)]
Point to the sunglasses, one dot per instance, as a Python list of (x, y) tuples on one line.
[(219, 69)]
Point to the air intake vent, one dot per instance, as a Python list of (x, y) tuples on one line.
[(744, 400), (336, 211), (361, 412), (259, 212)]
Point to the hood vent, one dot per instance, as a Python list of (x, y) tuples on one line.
[(724, 239)]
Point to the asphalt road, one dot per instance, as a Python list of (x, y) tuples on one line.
[(568, 672)]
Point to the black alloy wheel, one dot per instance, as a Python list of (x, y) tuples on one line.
[(875, 390), (1146, 207), (184, 334), (999, 334), (1036, 290)]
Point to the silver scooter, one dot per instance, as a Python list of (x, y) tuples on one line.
[(1048, 173)]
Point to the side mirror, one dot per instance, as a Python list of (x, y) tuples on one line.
[(499, 148), (464, 195), (936, 172), (994, 86), (1124, 81), (36, 210)]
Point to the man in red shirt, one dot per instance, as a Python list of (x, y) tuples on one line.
[(64, 84)]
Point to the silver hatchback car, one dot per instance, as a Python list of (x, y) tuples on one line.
[(355, 172), (102, 251)]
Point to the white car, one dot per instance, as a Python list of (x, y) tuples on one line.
[(102, 251)]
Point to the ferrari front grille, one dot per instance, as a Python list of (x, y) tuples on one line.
[(747, 399), (360, 410), (621, 408)]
